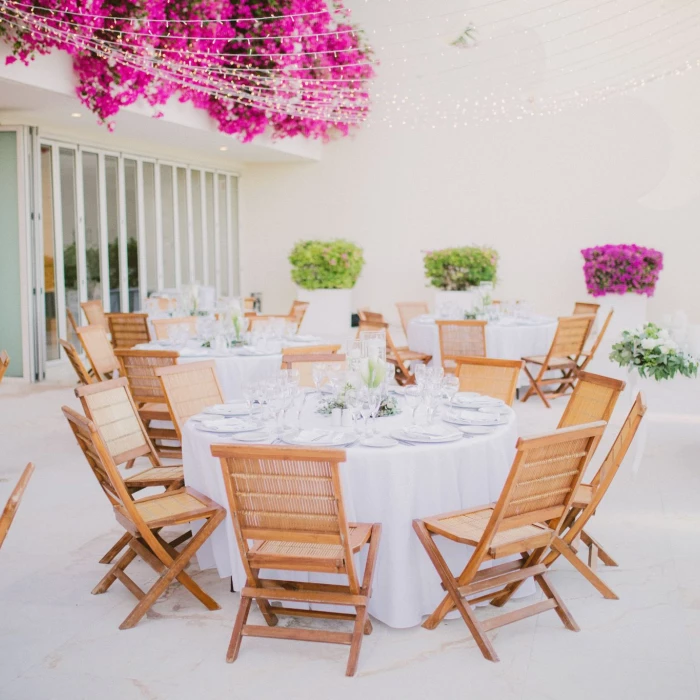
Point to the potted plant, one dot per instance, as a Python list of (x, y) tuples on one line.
[(456, 271), (325, 273), (621, 277)]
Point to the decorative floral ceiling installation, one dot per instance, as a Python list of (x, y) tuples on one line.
[(285, 67)]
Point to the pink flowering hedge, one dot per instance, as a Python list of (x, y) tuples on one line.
[(618, 269), (303, 72)]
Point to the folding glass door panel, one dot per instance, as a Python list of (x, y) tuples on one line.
[(94, 262), (131, 216), (151, 284), (50, 276), (67, 181)]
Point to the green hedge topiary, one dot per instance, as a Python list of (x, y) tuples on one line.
[(326, 264), (456, 269)]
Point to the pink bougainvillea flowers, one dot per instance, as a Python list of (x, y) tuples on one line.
[(618, 269)]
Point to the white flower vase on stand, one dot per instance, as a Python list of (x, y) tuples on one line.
[(460, 301), (329, 313), (630, 311)]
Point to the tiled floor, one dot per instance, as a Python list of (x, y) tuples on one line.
[(58, 641)]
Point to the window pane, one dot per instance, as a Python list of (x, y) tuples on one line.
[(112, 203), (149, 211), (211, 230), (50, 300), (233, 255), (66, 163), (92, 228), (197, 227), (166, 199), (182, 216), (132, 227), (223, 236)]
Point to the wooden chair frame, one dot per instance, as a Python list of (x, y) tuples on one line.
[(305, 530), (312, 350), (594, 398), (95, 313), (290, 360), (161, 326), (298, 311), (373, 317), (4, 363), (481, 365), (585, 308), (408, 310), (534, 493), (71, 320), (128, 330), (195, 395), (588, 356), (563, 356), (138, 366), (76, 362), (479, 326), (99, 351), (10, 509), (398, 357), (143, 520)]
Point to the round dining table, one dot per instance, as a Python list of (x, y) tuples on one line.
[(391, 486)]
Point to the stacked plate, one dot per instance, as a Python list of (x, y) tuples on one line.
[(229, 426), (476, 401), (427, 433), (235, 408), (320, 438)]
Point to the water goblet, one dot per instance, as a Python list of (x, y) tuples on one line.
[(419, 372), (318, 375), (413, 396), (450, 386)]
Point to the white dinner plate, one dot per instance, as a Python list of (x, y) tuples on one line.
[(379, 441), (477, 429), (226, 427), (479, 402), (471, 419), (261, 436), (465, 397), (431, 434), (319, 438), (237, 408), (223, 409)]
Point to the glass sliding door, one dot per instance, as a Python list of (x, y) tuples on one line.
[(50, 286), (67, 181), (233, 255), (149, 210), (112, 220), (166, 198), (91, 202), (183, 220), (210, 229), (223, 225), (197, 226), (132, 231)]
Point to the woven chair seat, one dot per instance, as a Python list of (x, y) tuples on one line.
[(468, 527), (326, 554), (555, 362), (176, 508), (156, 476), (584, 495)]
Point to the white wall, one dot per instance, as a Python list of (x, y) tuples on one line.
[(538, 190)]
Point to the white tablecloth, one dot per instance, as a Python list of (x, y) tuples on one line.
[(391, 486), (505, 340)]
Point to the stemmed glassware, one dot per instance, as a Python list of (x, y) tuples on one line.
[(413, 396), (319, 373), (450, 386)]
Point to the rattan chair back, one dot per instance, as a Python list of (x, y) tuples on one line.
[(461, 339), (139, 366), (490, 377), (594, 398), (76, 362), (128, 330), (408, 310), (95, 313), (99, 350), (585, 308), (163, 326)]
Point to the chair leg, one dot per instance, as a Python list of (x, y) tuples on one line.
[(237, 633), (111, 576), (560, 609), (602, 554), (535, 387), (174, 569), (357, 636), (108, 558), (565, 550)]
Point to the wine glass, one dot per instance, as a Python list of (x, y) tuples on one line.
[(250, 396), (419, 372), (318, 374), (353, 403), (450, 386), (413, 396), (375, 402)]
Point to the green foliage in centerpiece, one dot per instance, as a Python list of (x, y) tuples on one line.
[(653, 353), (326, 264), (372, 371), (457, 269), (388, 407)]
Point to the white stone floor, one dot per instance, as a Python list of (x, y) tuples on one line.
[(59, 642)]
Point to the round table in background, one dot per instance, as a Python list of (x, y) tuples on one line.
[(391, 486)]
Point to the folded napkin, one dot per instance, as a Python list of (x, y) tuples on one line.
[(312, 435)]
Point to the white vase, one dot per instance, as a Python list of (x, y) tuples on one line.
[(329, 312), (461, 301), (630, 312)]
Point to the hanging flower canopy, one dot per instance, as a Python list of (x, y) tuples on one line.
[(286, 67)]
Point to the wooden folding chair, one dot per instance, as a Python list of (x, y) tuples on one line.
[(298, 311), (162, 326), (10, 509), (461, 339), (368, 316), (76, 362), (311, 350), (593, 399), (99, 351), (95, 314), (588, 355), (248, 303), (305, 364), (541, 486), (71, 320), (563, 356), (143, 520), (289, 502), (4, 363), (138, 366), (189, 389), (488, 376), (585, 308), (128, 330), (408, 310), (399, 358)]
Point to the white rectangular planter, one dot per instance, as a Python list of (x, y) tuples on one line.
[(462, 301), (329, 312)]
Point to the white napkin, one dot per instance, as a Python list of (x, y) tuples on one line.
[(312, 435)]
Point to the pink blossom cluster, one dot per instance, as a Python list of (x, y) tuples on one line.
[(618, 269), (303, 72)]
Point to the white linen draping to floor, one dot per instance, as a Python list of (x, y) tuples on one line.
[(391, 486)]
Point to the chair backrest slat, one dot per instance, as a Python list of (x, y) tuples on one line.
[(111, 409), (139, 366), (95, 314), (585, 308), (408, 310), (99, 350), (189, 389), (305, 364), (162, 326), (4, 363), (76, 362), (461, 339), (570, 336), (298, 311), (128, 330), (10, 509), (594, 398), (491, 377)]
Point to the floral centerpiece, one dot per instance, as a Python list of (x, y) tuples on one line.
[(653, 353), (618, 269), (326, 264), (458, 269)]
